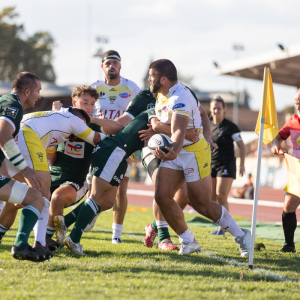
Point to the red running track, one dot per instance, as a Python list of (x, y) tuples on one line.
[(264, 214)]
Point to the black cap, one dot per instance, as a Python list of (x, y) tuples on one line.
[(111, 55)]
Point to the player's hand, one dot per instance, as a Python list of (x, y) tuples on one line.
[(32, 178), (57, 105), (241, 170), (210, 141), (192, 135), (18, 206), (276, 149), (147, 133), (165, 156)]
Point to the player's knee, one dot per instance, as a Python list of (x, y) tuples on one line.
[(34, 198), (59, 200)]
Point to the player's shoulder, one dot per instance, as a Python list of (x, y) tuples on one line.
[(97, 83), (145, 94), (11, 100), (130, 84)]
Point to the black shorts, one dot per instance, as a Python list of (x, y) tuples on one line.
[(227, 170)]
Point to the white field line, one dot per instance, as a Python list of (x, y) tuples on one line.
[(230, 200), (230, 262)]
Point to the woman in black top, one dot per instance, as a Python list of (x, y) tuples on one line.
[(223, 165)]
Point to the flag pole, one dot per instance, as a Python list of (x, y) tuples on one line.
[(257, 181)]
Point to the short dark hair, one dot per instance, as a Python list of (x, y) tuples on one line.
[(165, 68), (110, 53), (80, 112), (85, 89), (24, 80), (219, 99)]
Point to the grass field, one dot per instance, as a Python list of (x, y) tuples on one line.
[(132, 271)]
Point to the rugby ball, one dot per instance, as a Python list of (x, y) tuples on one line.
[(161, 141)]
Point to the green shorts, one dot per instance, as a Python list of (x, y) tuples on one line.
[(4, 180), (109, 162)]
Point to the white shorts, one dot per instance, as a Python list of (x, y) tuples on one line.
[(193, 160), (81, 193)]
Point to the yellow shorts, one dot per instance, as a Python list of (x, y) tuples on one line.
[(31, 148), (193, 160)]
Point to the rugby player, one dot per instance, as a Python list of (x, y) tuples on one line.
[(71, 162), (115, 94), (177, 107), (41, 131), (24, 95), (291, 202)]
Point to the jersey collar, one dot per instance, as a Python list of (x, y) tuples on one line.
[(173, 88), (16, 96)]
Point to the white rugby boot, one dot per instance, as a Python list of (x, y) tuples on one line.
[(189, 247), (244, 242), (74, 247), (60, 228)]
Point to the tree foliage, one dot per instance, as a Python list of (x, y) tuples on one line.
[(19, 52)]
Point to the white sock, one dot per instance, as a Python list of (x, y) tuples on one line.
[(186, 237), (226, 222), (117, 231), (162, 224), (40, 226)]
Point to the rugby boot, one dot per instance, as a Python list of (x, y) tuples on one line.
[(150, 236), (61, 228), (51, 244), (288, 248), (90, 226), (116, 241), (218, 232), (189, 247), (74, 247), (166, 245), (43, 252), (244, 242), (24, 252)]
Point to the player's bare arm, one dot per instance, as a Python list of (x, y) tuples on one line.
[(108, 126), (8, 145), (124, 120), (277, 144), (242, 149), (51, 156), (206, 127), (179, 124)]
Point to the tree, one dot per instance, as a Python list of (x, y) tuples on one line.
[(19, 52)]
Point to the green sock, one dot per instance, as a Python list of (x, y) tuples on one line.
[(3, 230), (88, 209), (163, 233), (154, 225), (71, 217), (50, 231), (29, 216)]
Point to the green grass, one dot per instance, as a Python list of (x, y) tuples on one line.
[(132, 271)]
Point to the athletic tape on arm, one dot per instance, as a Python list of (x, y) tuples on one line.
[(12, 153)]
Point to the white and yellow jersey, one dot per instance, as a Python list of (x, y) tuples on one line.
[(114, 100), (179, 100), (55, 127)]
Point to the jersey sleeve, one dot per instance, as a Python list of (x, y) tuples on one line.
[(81, 130), (136, 106), (12, 113), (285, 131), (180, 106), (133, 87)]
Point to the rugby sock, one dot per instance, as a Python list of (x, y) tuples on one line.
[(3, 230), (41, 225), (71, 217), (163, 231), (50, 231), (29, 216), (117, 231), (227, 222), (88, 209), (186, 237), (289, 224), (154, 225)]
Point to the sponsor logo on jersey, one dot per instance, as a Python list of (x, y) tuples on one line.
[(113, 90), (101, 94), (188, 171), (54, 142), (40, 156), (150, 105), (96, 149), (110, 114), (112, 98), (11, 112), (178, 105), (75, 149), (164, 108), (124, 95)]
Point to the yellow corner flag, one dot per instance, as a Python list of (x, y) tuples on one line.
[(293, 169), (267, 113)]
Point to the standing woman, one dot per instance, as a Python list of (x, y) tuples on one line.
[(223, 164)]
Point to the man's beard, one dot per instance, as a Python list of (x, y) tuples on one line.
[(156, 87), (113, 75)]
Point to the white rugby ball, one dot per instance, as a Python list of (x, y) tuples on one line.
[(161, 141)]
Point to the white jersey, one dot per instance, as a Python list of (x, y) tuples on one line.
[(114, 100), (55, 127), (179, 100)]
